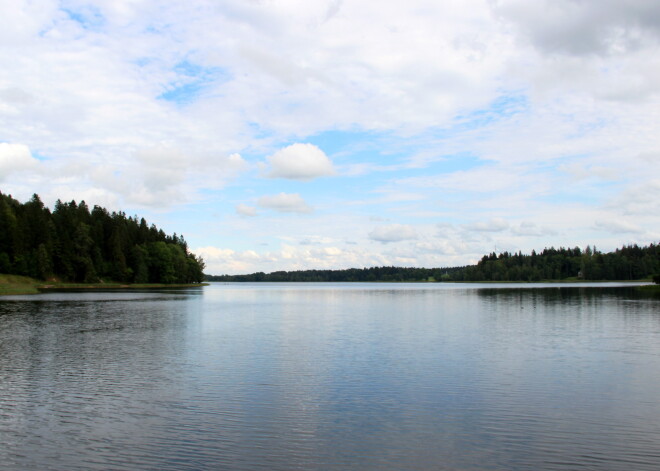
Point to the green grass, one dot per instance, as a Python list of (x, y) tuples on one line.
[(113, 285), (15, 284)]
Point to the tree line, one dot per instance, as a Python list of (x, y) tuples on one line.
[(627, 263), (75, 244), (351, 274), (630, 262)]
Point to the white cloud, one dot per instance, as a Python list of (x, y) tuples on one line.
[(163, 176), (289, 257), (285, 203), (393, 233), (221, 261), (300, 162), (15, 158)]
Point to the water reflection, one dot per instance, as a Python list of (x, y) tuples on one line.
[(331, 377)]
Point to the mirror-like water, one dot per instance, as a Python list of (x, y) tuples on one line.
[(332, 376)]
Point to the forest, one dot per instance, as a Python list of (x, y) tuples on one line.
[(627, 263), (74, 244), (351, 274)]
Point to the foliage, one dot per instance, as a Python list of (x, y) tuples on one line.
[(627, 263), (83, 246)]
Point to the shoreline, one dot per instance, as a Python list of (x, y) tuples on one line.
[(113, 286), (19, 285), (641, 282)]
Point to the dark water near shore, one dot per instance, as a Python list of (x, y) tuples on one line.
[(332, 376)]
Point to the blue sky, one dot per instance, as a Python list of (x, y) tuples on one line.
[(341, 133)]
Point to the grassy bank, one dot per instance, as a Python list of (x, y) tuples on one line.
[(15, 284), (112, 286)]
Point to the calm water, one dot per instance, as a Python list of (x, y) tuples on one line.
[(331, 376)]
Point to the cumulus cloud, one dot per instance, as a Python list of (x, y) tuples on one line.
[(393, 233), (285, 203), (300, 162), (15, 158), (221, 260), (288, 257)]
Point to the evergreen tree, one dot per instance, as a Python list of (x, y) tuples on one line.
[(75, 244)]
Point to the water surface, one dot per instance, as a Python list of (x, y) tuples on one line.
[(332, 376)]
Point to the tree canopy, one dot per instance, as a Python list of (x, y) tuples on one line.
[(79, 245)]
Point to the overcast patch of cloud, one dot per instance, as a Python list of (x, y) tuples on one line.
[(618, 227), (529, 228), (163, 176), (245, 210), (579, 28), (393, 233), (492, 225), (300, 162), (285, 203), (639, 200)]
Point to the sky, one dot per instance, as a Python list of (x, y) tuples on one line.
[(328, 134)]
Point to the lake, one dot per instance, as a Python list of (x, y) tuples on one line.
[(332, 376)]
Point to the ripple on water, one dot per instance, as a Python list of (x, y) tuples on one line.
[(327, 377)]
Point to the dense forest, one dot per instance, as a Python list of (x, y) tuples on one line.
[(75, 244), (627, 263)]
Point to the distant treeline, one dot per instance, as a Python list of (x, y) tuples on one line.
[(351, 274), (75, 244), (627, 263)]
